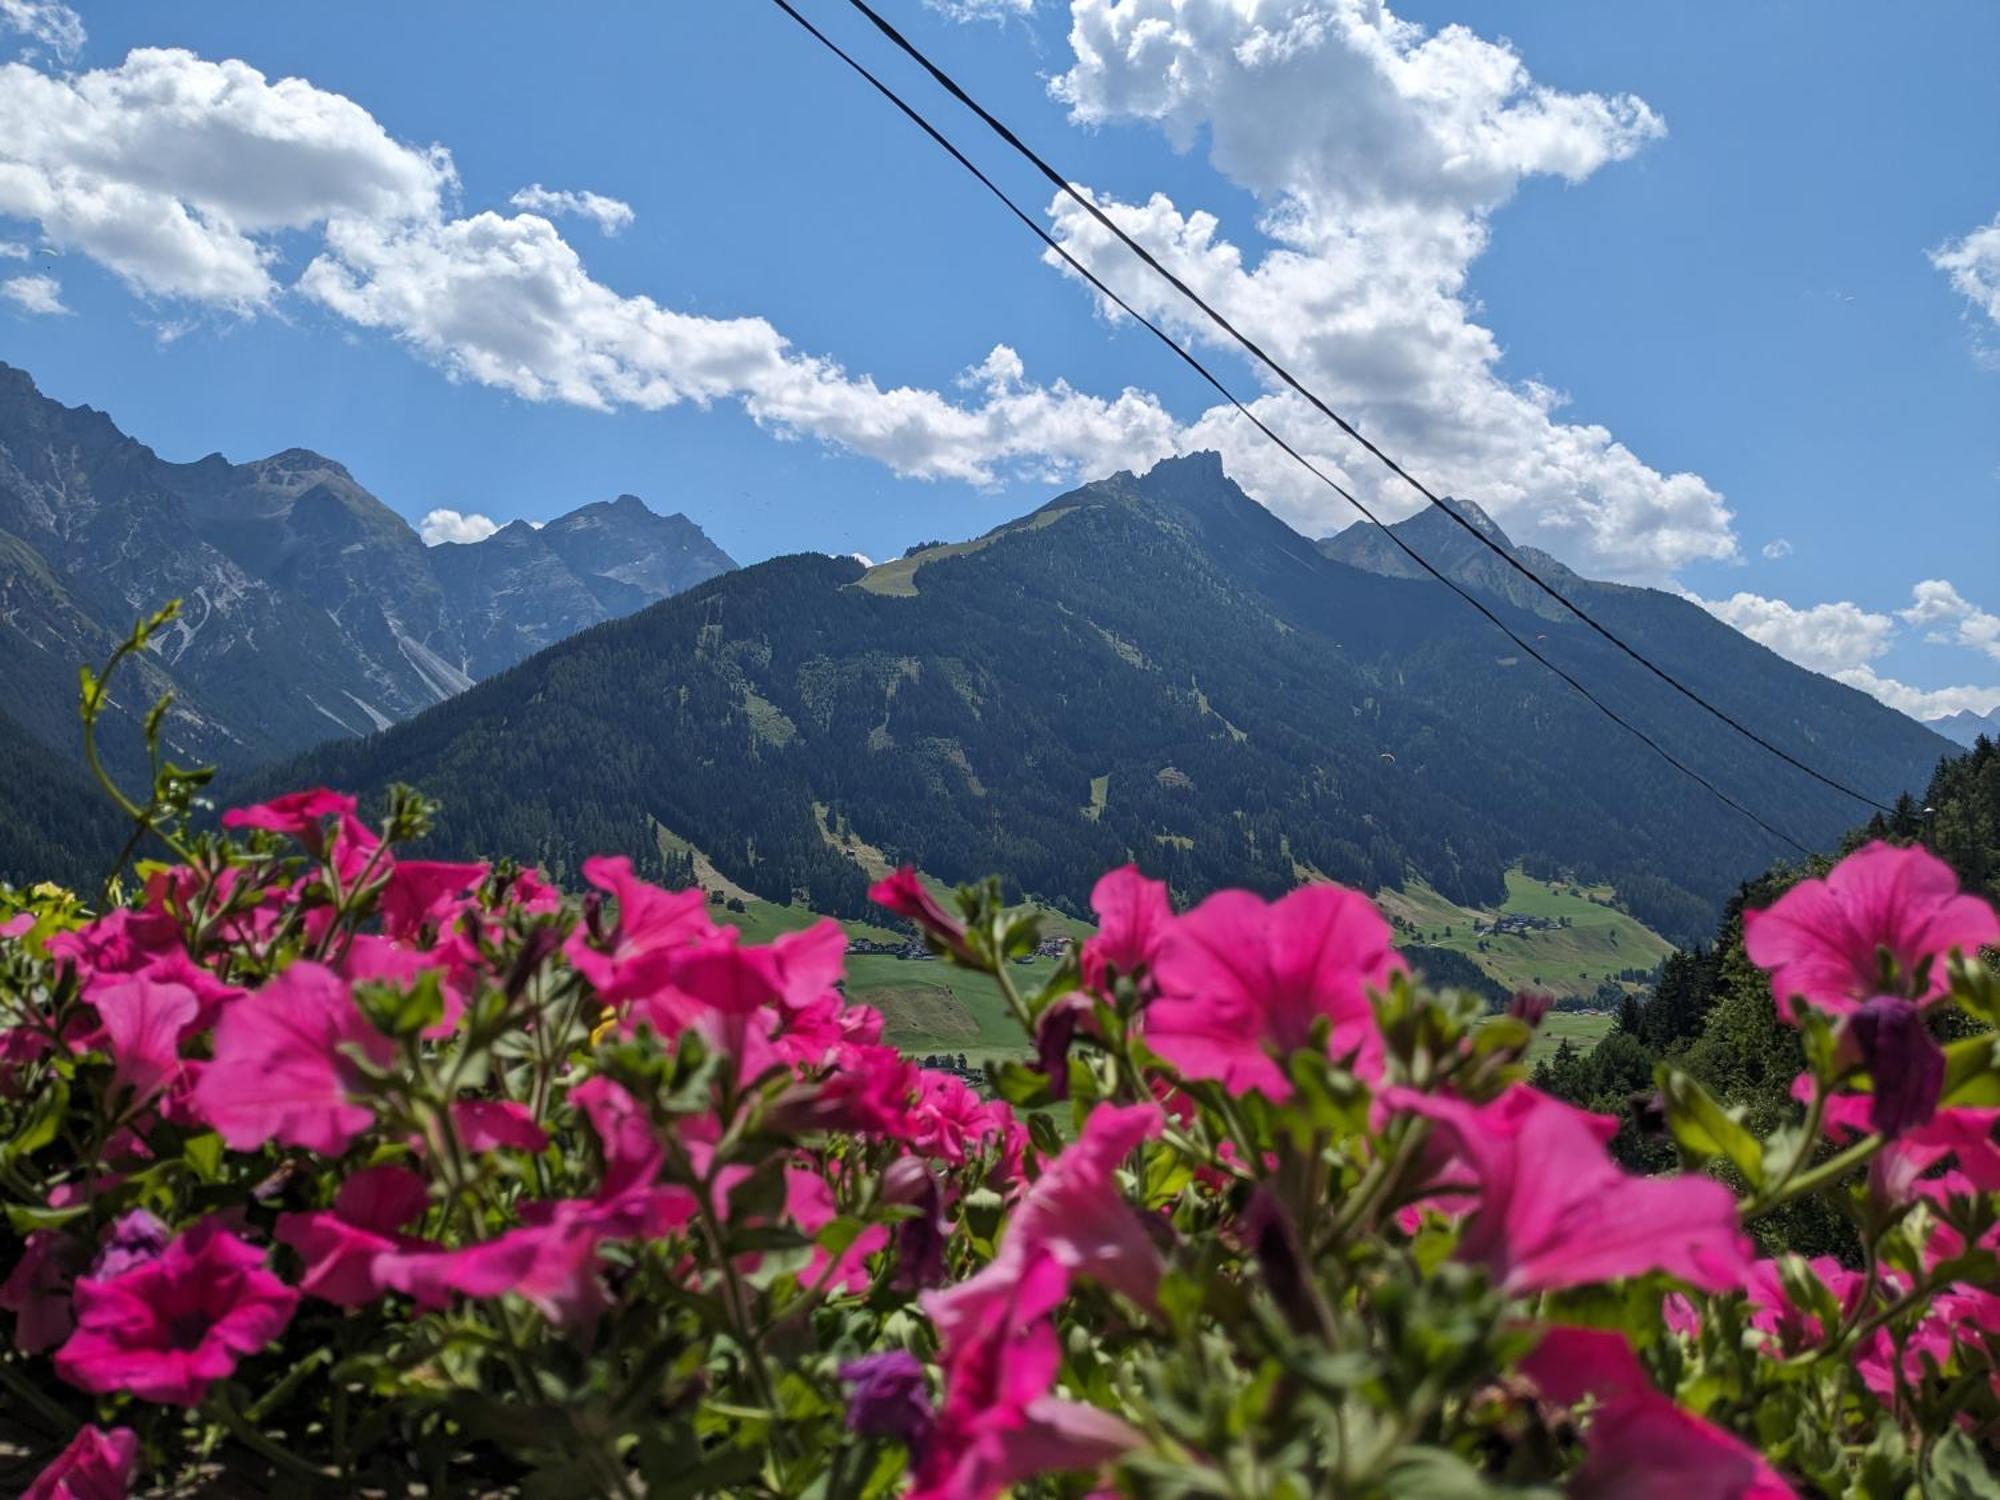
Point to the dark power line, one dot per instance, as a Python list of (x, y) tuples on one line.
[(1063, 183), (1207, 375)]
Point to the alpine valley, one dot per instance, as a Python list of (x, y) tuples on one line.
[(1152, 668), (1148, 667)]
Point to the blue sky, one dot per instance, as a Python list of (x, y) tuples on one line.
[(1700, 296)]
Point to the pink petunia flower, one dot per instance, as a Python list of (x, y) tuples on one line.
[(652, 923), (1825, 939), (343, 1247), (171, 1328), (552, 1264), (496, 1125), (426, 892), (279, 1073), (905, 895), (1133, 915), (1242, 982), (1556, 1211), (999, 1425), (1641, 1445), (97, 1465), (37, 1290), (1075, 1216), (297, 815), (809, 1204), (143, 1022)]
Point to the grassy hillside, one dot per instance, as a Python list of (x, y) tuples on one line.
[(1591, 942)]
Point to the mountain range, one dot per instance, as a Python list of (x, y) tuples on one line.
[(1154, 668), (310, 608), (1966, 727)]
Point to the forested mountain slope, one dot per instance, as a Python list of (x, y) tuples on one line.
[(1149, 667), (310, 608)]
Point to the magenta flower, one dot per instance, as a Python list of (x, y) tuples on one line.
[(143, 1021), (1556, 1211), (298, 815), (495, 1125), (999, 1425), (552, 1264), (342, 1248), (1641, 1445), (177, 1324), (904, 894), (1826, 940), (809, 1204), (425, 892), (1075, 1216), (1242, 982), (1654, 1450), (36, 1291), (1133, 915), (279, 1073), (97, 1465), (652, 923)]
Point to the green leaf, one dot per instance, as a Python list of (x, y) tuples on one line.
[(39, 1128), (1971, 1077), (1704, 1128), (1434, 1474), (25, 1219), (1020, 1085), (1958, 1472)]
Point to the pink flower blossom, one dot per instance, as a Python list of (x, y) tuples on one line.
[(343, 1248), (999, 1425), (1556, 1211), (1133, 915), (298, 815), (1655, 1450), (97, 1465), (425, 892), (652, 923), (17, 926), (495, 1125), (1074, 1215), (1641, 1445), (905, 895), (1824, 939), (171, 1328), (36, 1291), (1241, 983), (552, 1264), (948, 1121), (123, 941), (143, 1022), (279, 1074), (809, 1203)]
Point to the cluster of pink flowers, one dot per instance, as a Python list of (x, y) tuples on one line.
[(249, 1002)]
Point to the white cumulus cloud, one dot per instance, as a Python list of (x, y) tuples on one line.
[(1950, 618), (1973, 264), (48, 24), (446, 525), (609, 214), (1777, 548), (1825, 637), (175, 171), (1921, 703), (1378, 153), (34, 294)]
